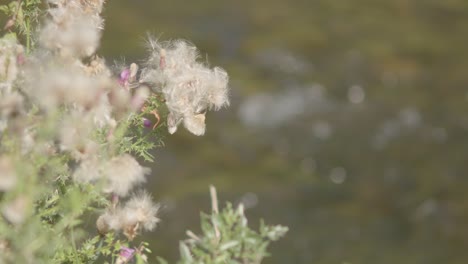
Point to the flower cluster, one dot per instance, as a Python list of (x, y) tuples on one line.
[(69, 128), (189, 87), (62, 108), (139, 213), (74, 27)]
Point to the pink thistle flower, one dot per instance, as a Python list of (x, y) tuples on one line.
[(124, 77), (126, 254)]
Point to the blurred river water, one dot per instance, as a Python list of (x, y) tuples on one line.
[(348, 123)]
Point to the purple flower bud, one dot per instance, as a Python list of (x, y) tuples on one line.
[(124, 76), (146, 122), (126, 253)]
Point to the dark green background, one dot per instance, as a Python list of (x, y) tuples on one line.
[(382, 181)]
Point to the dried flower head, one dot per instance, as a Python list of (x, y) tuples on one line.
[(75, 136), (189, 87), (57, 85), (118, 175), (139, 213), (110, 220), (122, 174), (71, 30), (88, 171)]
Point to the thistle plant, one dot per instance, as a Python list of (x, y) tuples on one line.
[(72, 131)]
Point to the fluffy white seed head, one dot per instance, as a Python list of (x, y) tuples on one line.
[(74, 136), (110, 220), (173, 122), (71, 31), (117, 176), (139, 213), (55, 85), (189, 87), (140, 210), (88, 171), (195, 124), (122, 174)]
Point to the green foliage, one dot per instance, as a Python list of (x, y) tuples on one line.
[(24, 14), (226, 238), (140, 140)]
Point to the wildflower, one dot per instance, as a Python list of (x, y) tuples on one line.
[(122, 173), (88, 171), (108, 221), (195, 124), (75, 136), (128, 75), (124, 76), (97, 67), (88, 149), (71, 31), (70, 85), (139, 213), (125, 255), (189, 87), (118, 175)]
